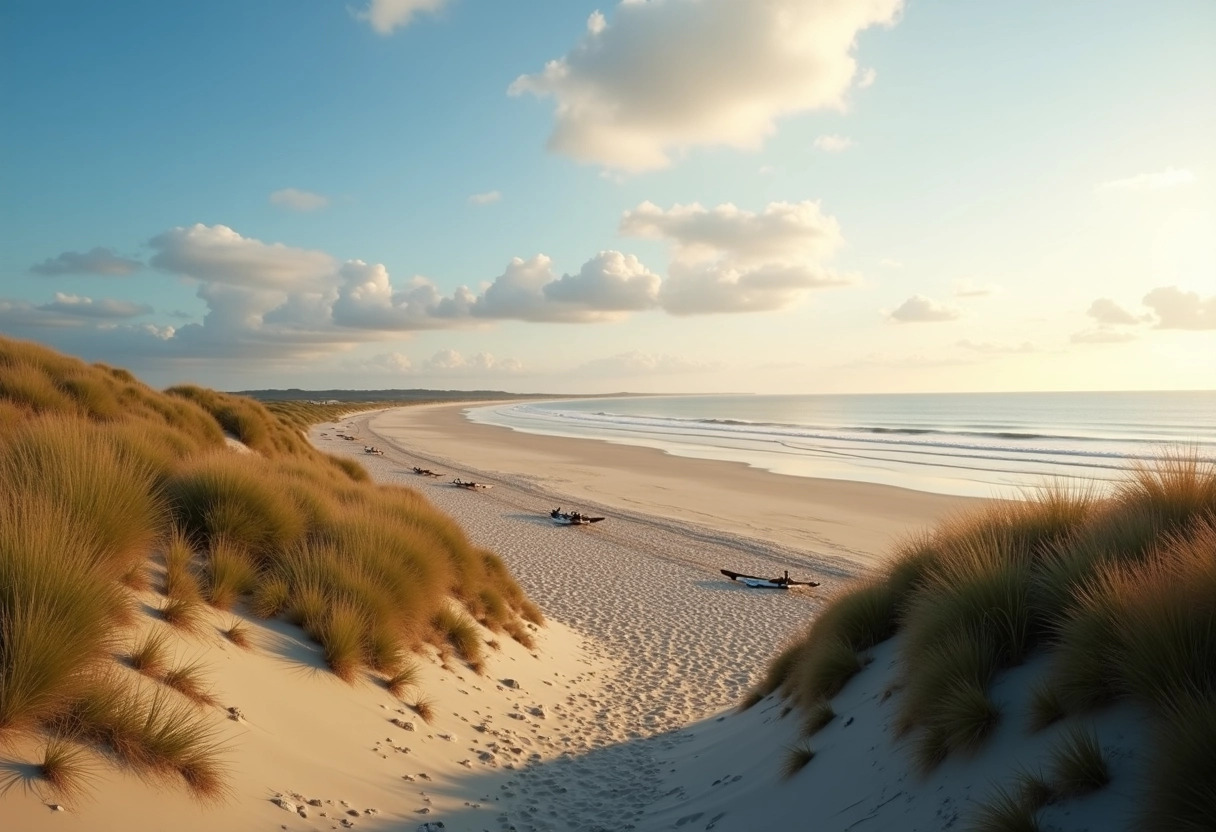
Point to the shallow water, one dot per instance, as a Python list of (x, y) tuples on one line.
[(969, 444)]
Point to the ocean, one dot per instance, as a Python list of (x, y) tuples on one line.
[(969, 444)]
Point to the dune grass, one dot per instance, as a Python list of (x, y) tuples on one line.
[(425, 708), (150, 656), (189, 681), (67, 767), (1078, 765), (1117, 591), (406, 677), (185, 614), (817, 717), (98, 472), (1005, 812), (238, 634), (796, 758), (1182, 770)]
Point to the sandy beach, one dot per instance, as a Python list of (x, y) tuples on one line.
[(856, 522)]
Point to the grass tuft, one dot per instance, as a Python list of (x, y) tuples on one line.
[(189, 682), (796, 758), (1005, 812), (238, 634), (1181, 793), (817, 717), (1078, 766), (185, 614), (405, 678), (151, 655), (67, 767), (425, 708)]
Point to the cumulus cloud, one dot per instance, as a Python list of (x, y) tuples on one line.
[(668, 75), (451, 360), (1106, 311), (1102, 336), (1177, 309), (98, 260), (920, 309), (393, 362), (366, 299), (488, 198), (1168, 178), (386, 16), (107, 308), (867, 78), (635, 363), (726, 259), (220, 255), (833, 143), (294, 199), (609, 282)]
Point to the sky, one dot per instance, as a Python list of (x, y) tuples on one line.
[(684, 196)]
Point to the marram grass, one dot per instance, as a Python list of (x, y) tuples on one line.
[(1117, 592)]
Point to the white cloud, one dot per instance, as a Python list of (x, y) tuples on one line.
[(729, 260), (668, 75), (920, 309), (488, 198), (1106, 311), (393, 362), (1177, 309), (635, 363), (971, 289), (833, 143), (294, 199), (220, 255), (366, 299), (1168, 178), (867, 78), (99, 260), (385, 16), (105, 308), (1102, 336), (608, 284), (451, 360)]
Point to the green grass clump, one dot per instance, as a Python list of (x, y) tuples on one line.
[(1078, 765)]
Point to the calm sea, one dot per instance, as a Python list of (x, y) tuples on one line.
[(973, 444)]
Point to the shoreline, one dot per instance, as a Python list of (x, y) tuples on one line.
[(855, 521)]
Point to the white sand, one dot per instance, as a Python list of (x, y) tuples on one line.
[(622, 717)]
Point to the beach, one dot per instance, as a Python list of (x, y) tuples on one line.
[(851, 524), (624, 713)]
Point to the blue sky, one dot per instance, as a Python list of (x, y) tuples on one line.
[(698, 195)]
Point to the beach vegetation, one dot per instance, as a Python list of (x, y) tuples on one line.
[(190, 681), (796, 758), (1078, 764), (406, 677), (1181, 789), (817, 717), (1115, 592), (229, 574), (239, 635), (425, 708), (150, 656), (185, 614), (1005, 811), (67, 767)]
